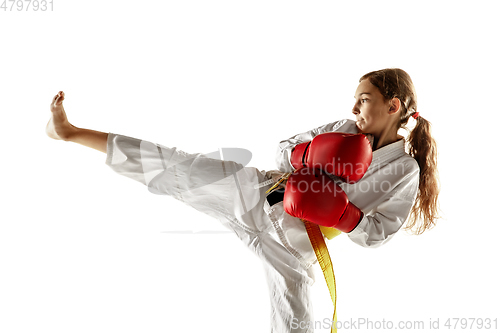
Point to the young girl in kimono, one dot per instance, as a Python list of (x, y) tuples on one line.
[(397, 187)]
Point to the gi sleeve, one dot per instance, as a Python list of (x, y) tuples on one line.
[(380, 224), (285, 147)]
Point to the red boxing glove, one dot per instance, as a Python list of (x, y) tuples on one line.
[(311, 195), (347, 156)]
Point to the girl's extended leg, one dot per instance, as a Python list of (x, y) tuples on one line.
[(60, 128), (222, 189)]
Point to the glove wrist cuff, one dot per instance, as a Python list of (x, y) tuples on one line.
[(350, 219), (298, 154)]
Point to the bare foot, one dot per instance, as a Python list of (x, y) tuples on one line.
[(58, 126)]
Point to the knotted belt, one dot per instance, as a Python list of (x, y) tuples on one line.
[(315, 233)]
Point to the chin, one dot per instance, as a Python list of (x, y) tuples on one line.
[(360, 126)]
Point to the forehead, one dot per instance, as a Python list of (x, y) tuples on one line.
[(365, 86)]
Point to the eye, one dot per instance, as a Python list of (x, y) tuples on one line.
[(363, 100)]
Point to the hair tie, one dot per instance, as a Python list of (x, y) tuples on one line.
[(415, 115)]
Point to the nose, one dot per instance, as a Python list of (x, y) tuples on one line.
[(355, 109)]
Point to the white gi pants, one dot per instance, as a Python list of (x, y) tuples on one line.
[(225, 190)]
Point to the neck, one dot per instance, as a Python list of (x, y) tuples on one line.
[(385, 139)]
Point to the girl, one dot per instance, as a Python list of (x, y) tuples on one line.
[(395, 186)]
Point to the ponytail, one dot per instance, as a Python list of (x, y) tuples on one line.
[(422, 147), (396, 83)]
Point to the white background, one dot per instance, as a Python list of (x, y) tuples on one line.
[(85, 250)]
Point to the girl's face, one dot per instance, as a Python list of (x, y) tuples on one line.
[(373, 114)]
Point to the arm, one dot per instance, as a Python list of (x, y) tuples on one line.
[(285, 147), (381, 223)]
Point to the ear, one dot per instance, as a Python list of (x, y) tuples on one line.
[(394, 105)]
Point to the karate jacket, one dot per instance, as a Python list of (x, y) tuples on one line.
[(385, 194)]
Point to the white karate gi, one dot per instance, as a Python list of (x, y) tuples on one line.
[(227, 191), (386, 192)]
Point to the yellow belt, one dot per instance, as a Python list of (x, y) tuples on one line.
[(315, 233)]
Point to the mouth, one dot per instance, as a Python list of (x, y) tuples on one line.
[(359, 123)]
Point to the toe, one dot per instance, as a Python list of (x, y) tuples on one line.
[(59, 98)]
